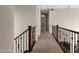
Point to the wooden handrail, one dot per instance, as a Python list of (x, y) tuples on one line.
[(21, 34), (68, 30), (29, 39), (56, 35)]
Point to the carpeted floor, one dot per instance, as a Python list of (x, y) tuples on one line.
[(46, 44)]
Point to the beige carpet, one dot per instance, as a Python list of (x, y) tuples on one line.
[(46, 44)]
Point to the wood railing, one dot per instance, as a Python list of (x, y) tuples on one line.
[(65, 37), (55, 32), (25, 41)]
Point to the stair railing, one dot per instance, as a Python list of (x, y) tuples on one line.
[(67, 36), (25, 41)]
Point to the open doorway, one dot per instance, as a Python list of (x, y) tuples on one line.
[(44, 21)]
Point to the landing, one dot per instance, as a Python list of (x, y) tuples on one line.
[(46, 44)]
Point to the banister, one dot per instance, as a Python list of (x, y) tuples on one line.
[(56, 33), (21, 34), (73, 37), (69, 30), (29, 38)]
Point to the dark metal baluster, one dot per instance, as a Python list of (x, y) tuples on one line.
[(32, 35), (78, 36), (26, 40), (57, 32), (74, 36), (23, 42), (18, 44), (72, 41)]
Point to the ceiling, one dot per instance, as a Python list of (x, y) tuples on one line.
[(44, 8), (58, 6)]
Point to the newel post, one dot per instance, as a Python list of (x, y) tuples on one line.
[(30, 38), (57, 31)]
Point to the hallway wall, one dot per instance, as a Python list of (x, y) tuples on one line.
[(6, 29), (13, 21), (38, 22), (67, 18), (24, 16)]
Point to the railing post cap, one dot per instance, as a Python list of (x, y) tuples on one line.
[(57, 25), (29, 26)]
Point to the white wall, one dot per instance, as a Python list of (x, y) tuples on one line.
[(38, 22), (24, 16), (6, 29), (51, 20), (67, 18)]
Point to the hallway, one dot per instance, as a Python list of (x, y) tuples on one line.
[(46, 44)]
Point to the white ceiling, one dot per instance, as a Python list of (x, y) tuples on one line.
[(44, 8), (58, 6)]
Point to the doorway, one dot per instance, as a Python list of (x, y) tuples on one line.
[(44, 21)]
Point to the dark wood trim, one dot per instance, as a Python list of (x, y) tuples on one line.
[(58, 42), (30, 38), (30, 45), (21, 34), (55, 37), (57, 32), (23, 42), (33, 44), (18, 44), (68, 30)]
